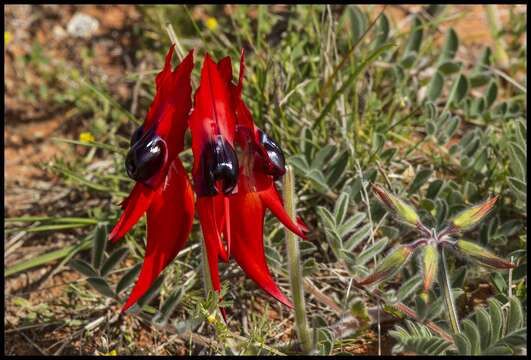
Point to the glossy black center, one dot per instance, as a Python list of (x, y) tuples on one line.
[(137, 135), (276, 162), (219, 163), (146, 156)]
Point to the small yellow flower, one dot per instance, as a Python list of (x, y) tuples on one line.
[(86, 137), (212, 23), (211, 319), (111, 353), (7, 37)]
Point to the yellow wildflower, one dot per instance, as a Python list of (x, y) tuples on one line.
[(7, 37), (86, 137), (212, 23), (211, 319), (112, 353)]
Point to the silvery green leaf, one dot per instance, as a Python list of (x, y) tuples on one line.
[(515, 316), (490, 96), (420, 178), (128, 278), (472, 333), (459, 90), (408, 287), (116, 256), (372, 251), (382, 31), (341, 207), (98, 249), (167, 308), (323, 156), (464, 347), (449, 67), (101, 286), (350, 224), (415, 37), (435, 86), (451, 43), (83, 267), (485, 324), (496, 315), (357, 237)]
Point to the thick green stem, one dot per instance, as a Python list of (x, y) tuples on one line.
[(294, 266), (444, 281), (205, 271)]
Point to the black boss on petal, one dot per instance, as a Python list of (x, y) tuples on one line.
[(219, 163), (146, 157), (137, 135), (275, 164)]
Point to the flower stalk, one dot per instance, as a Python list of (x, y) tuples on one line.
[(294, 266)]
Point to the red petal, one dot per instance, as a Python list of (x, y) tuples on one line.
[(136, 205), (172, 100), (169, 109), (272, 200), (248, 249), (212, 114), (225, 69), (209, 219), (169, 222)]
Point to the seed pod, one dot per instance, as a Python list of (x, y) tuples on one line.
[(470, 217), (483, 255), (430, 262), (405, 211), (389, 265)]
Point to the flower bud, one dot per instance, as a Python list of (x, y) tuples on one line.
[(430, 262), (424, 296), (483, 255), (389, 265), (405, 211), (470, 217)]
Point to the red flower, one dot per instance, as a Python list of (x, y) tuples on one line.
[(237, 212), (162, 188), (233, 192)]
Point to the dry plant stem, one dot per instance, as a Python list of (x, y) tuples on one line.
[(175, 40), (444, 281), (294, 266)]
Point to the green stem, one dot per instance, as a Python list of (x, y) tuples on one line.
[(444, 281), (294, 266), (205, 271)]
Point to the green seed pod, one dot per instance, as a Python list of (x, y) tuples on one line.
[(401, 208), (389, 265), (470, 217), (483, 255), (430, 262)]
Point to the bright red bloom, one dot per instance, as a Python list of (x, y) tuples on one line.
[(162, 189), (239, 213), (233, 191)]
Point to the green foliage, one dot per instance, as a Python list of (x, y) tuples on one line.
[(419, 339)]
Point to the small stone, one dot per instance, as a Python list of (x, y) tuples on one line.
[(82, 25), (59, 32)]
